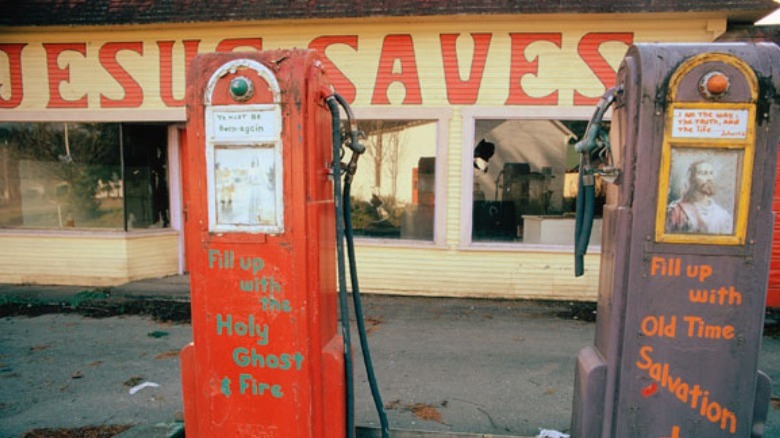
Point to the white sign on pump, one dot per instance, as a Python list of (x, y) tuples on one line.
[(247, 126), (710, 123)]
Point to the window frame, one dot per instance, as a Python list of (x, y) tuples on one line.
[(441, 116), (469, 117)]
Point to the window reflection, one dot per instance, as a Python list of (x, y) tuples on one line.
[(71, 175), (522, 189), (393, 191)]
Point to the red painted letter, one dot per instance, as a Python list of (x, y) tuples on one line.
[(166, 68), (588, 48), (14, 52), (401, 48), (521, 66), (229, 44), (458, 90), (134, 94), (343, 85), (59, 75)]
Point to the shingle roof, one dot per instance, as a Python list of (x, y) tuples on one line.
[(110, 12)]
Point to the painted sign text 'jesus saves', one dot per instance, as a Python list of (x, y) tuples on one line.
[(398, 64)]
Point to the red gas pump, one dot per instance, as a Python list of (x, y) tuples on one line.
[(267, 358)]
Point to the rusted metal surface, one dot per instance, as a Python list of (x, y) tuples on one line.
[(773, 292)]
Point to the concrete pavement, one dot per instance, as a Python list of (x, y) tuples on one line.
[(450, 366)]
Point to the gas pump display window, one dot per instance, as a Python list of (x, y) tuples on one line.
[(393, 194), (525, 181), (703, 188), (245, 186), (244, 163)]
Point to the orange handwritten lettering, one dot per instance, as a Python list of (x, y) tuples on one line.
[(700, 271), (693, 396), (667, 267), (675, 432), (660, 326), (698, 328), (722, 296)]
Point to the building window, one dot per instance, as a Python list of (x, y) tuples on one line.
[(393, 194), (525, 181), (83, 176)]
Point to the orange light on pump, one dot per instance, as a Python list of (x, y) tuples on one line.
[(718, 83), (714, 85)]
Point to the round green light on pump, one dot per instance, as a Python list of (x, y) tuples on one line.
[(241, 88)]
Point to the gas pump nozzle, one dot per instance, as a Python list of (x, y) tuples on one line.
[(353, 141), (595, 143), (357, 150)]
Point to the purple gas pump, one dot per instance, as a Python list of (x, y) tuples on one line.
[(687, 233)]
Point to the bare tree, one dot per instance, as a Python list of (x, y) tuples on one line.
[(384, 149), (375, 148), (394, 155)]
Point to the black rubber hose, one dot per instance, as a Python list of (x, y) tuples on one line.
[(343, 297), (579, 210), (583, 226), (380, 407), (357, 150), (353, 130)]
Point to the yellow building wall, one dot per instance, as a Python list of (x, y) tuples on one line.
[(475, 273), (449, 266), (88, 259), (151, 256)]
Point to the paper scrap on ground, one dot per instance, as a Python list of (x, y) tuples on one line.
[(141, 386)]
